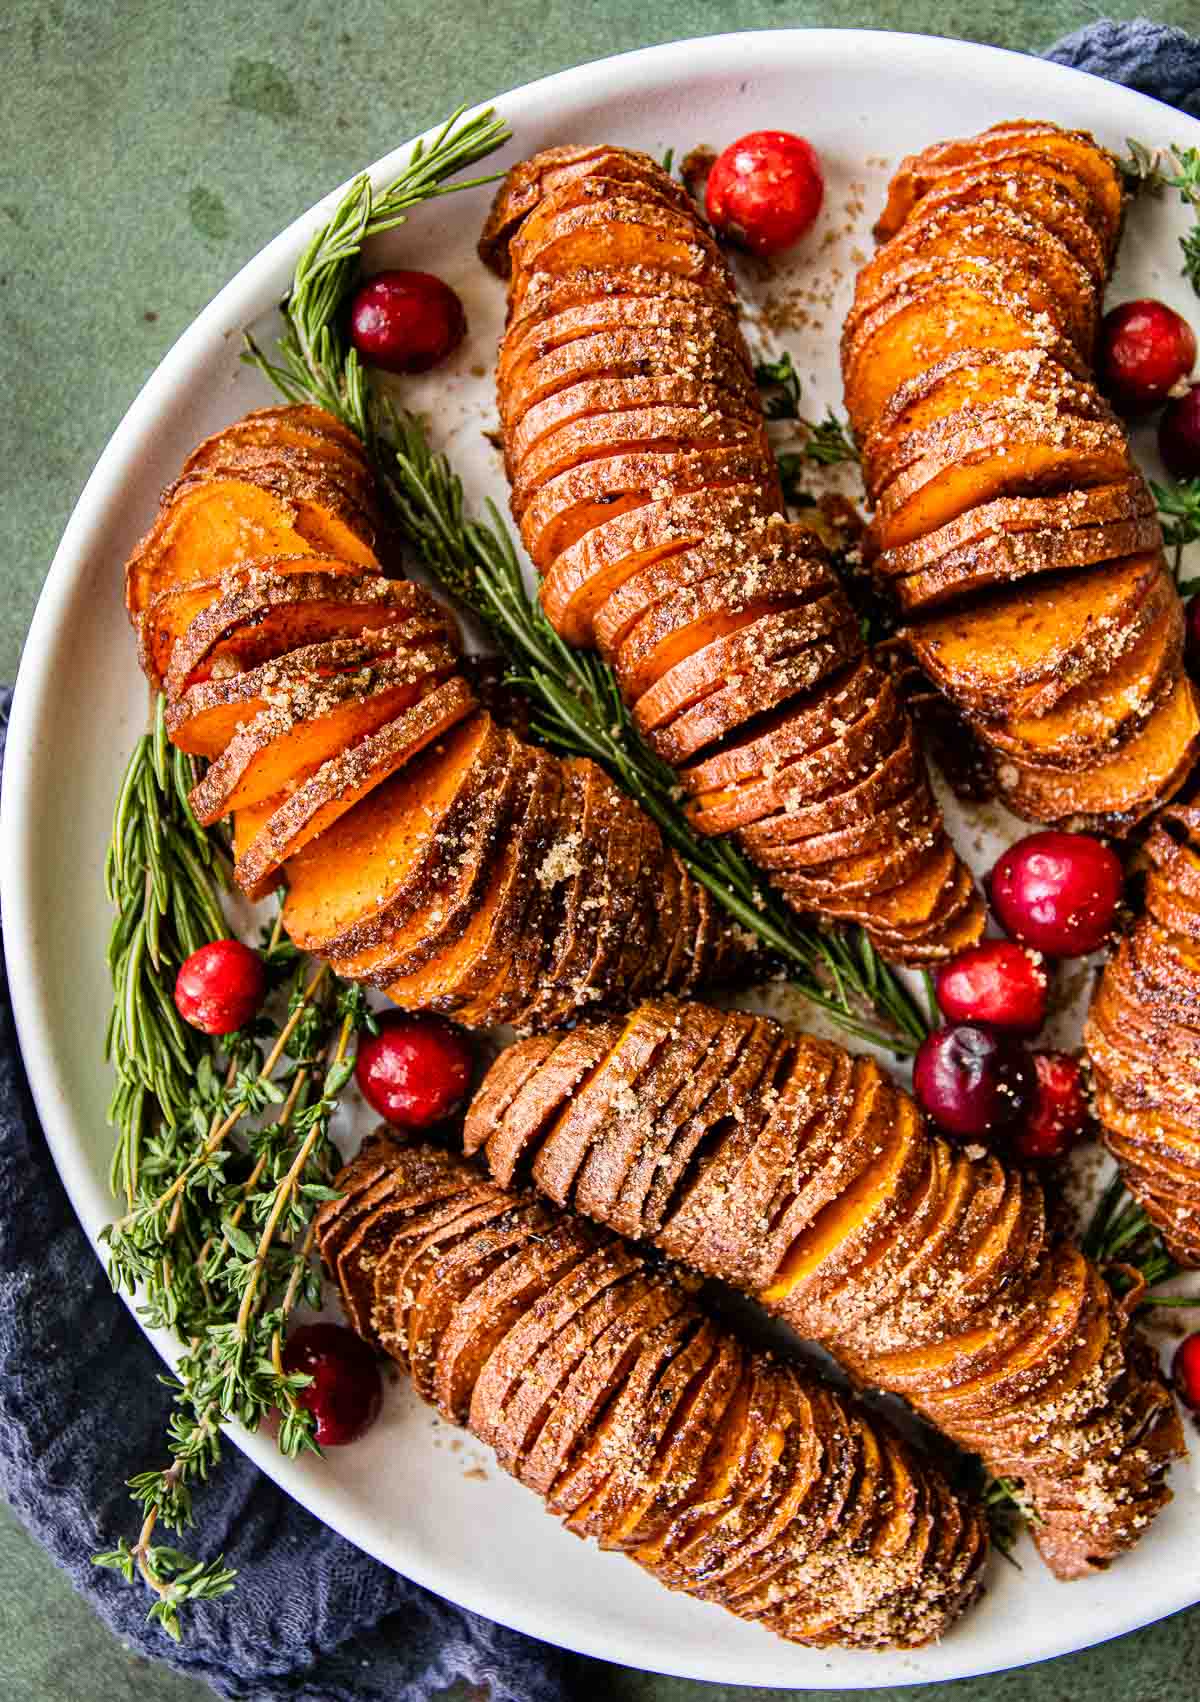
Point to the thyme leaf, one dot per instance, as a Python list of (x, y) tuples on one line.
[(1154, 171)]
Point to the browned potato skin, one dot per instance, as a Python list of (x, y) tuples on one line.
[(808, 1179), (426, 850), (646, 494), (1143, 1038), (602, 1385), (1005, 497)]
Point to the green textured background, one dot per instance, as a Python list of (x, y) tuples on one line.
[(146, 151)]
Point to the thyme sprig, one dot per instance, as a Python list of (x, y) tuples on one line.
[(1179, 510), (1157, 170), (218, 1243), (826, 442), (578, 709)]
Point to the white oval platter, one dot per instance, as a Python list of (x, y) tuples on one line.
[(432, 1507)]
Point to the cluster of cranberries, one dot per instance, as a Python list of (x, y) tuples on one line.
[(415, 1072), (1055, 895)]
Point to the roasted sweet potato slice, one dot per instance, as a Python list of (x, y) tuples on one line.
[(1031, 455), (678, 626), (337, 517), (1118, 793), (598, 303), (786, 789), (474, 965), (446, 890), (299, 428), (958, 241), (912, 331), (1094, 719), (344, 888), (764, 682), (862, 876), (1040, 188), (988, 525), (783, 735), (611, 232), (205, 527), (1009, 146), (653, 591), (292, 423), (209, 523), (976, 379), (906, 813), (1007, 275), (530, 181), (1019, 651), (173, 613), (207, 715), (1005, 558), (595, 398), (568, 507), (582, 579), (650, 343), (634, 431), (283, 606), (1030, 412), (759, 638), (286, 741), (266, 835)]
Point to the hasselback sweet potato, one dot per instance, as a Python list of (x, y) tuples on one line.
[(1143, 1038), (1011, 526), (426, 850), (647, 495), (807, 1178), (603, 1386)]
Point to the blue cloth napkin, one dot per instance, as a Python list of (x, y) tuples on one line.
[(81, 1409)]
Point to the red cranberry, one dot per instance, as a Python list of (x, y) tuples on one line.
[(1145, 350), (415, 1071), (220, 987), (765, 191), (1185, 1371), (346, 1392), (406, 321), (1179, 435), (1057, 892), (972, 1080), (1060, 1109), (997, 982), (1191, 610)]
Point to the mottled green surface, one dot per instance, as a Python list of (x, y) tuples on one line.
[(147, 149)]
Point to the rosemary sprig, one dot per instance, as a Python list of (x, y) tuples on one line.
[(579, 710), (163, 876), (315, 361)]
